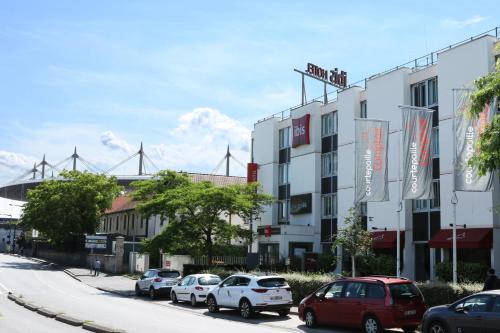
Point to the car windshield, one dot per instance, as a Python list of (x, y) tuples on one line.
[(209, 280), (169, 274), (403, 291), (272, 282)]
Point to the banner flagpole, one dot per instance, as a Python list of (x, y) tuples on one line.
[(400, 206), (454, 198)]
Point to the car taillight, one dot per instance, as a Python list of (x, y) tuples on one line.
[(198, 288), (259, 290), (157, 279)]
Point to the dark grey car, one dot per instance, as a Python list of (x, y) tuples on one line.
[(479, 313)]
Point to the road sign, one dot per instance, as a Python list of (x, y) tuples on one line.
[(96, 242)]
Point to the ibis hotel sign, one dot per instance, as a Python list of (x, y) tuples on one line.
[(300, 129), (333, 77)]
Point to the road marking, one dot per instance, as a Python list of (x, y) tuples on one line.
[(6, 290)]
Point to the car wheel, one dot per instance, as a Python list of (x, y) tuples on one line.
[(310, 318), (437, 327), (152, 293), (138, 291), (212, 304), (246, 310), (409, 329), (193, 300), (173, 297), (284, 313), (371, 325)]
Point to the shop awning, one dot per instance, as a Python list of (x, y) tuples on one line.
[(470, 238), (386, 239)]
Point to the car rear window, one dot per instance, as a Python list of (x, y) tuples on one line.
[(272, 282), (403, 291), (209, 280), (169, 274)]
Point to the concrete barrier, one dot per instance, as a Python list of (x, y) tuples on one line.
[(31, 306), (46, 312), (19, 301), (12, 297), (69, 320), (100, 329)]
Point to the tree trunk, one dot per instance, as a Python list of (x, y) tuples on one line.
[(353, 266), (209, 249)]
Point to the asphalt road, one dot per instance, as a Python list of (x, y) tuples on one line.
[(49, 287)]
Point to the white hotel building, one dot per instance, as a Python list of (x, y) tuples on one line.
[(314, 182)]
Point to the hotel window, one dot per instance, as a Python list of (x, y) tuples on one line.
[(284, 137), (432, 91), (363, 109), (329, 206), (329, 124), (436, 202), (283, 211), (420, 205), (425, 93), (283, 174), (435, 142), (329, 164)]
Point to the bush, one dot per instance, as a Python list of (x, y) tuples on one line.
[(304, 284), (376, 265), (438, 293), (467, 271), (326, 262)]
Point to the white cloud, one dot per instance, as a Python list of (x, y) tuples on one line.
[(15, 161), (200, 140), (454, 23), (109, 140)]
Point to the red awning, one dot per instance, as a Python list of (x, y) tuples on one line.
[(386, 239), (470, 238)]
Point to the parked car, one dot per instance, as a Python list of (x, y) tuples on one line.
[(194, 288), (250, 293), (157, 282), (479, 313), (373, 303)]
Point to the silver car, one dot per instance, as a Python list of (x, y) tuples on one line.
[(479, 313), (157, 282)]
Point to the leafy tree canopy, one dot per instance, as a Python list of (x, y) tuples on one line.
[(487, 88), (199, 213), (353, 238), (63, 209)]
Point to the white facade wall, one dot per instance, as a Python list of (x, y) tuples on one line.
[(456, 67)]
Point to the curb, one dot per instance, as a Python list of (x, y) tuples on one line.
[(46, 312), (19, 301), (69, 320), (31, 306), (116, 292), (67, 271), (100, 329), (12, 297)]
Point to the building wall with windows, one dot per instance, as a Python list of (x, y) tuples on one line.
[(325, 168)]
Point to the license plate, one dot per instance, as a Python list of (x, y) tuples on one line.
[(410, 312), (275, 298)]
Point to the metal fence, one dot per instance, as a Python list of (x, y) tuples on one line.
[(220, 260)]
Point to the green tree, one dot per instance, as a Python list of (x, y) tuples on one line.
[(199, 213), (353, 238), (487, 88), (70, 207)]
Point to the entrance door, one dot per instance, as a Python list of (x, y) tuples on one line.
[(296, 253), (422, 262)]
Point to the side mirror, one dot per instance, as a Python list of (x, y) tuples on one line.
[(320, 296), (221, 285), (178, 283), (459, 309), (143, 277)]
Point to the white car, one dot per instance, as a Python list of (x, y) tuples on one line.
[(251, 293), (194, 288), (157, 282)]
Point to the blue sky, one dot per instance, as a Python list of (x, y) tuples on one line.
[(188, 77)]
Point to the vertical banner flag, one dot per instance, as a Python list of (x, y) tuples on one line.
[(372, 138), (467, 132), (417, 157)]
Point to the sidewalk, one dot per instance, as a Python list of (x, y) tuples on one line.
[(117, 284)]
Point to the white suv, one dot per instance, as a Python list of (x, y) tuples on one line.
[(157, 282), (251, 293)]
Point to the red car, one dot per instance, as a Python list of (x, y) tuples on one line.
[(373, 303)]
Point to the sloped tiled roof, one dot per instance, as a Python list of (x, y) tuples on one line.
[(124, 202)]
